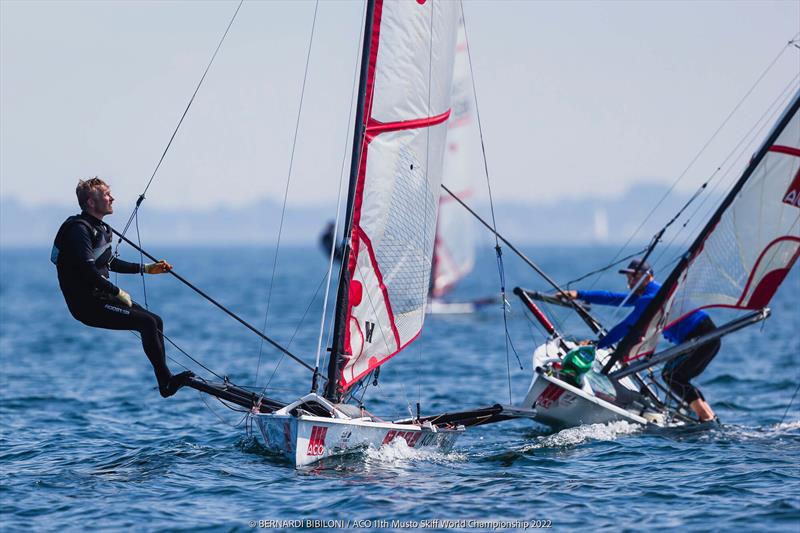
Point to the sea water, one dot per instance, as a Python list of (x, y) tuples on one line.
[(87, 442)]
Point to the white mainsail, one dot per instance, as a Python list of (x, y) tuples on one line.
[(454, 250), (397, 189), (747, 249)]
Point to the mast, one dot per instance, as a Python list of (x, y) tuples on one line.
[(340, 313), (637, 334)]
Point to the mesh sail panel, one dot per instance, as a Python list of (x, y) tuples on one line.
[(397, 191), (454, 251), (744, 258)]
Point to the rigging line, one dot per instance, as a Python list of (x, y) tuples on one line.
[(768, 117), (286, 189), (607, 267), (498, 250), (584, 314), (296, 330), (141, 262), (219, 305), (756, 131), (205, 401), (185, 111), (703, 149), (790, 404), (184, 352), (345, 153), (425, 289)]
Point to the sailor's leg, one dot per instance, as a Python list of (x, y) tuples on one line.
[(678, 373), (702, 410), (108, 315)]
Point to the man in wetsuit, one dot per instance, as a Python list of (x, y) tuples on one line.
[(679, 371), (83, 257)]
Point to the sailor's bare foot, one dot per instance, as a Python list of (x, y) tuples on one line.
[(702, 410)]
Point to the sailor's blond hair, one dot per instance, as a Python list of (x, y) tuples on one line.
[(86, 187)]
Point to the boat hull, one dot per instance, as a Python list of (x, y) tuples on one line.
[(305, 440), (559, 404)]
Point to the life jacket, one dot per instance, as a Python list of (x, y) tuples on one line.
[(101, 240)]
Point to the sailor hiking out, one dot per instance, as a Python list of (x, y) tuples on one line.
[(678, 372), (83, 257)]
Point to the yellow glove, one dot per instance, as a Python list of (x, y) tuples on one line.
[(161, 267), (124, 298)]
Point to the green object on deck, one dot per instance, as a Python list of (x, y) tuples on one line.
[(576, 363)]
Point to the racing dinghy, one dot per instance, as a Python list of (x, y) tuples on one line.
[(737, 262), (395, 175)]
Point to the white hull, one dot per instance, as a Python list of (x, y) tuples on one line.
[(438, 307), (559, 404), (305, 439)]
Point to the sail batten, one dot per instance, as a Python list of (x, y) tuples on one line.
[(746, 250), (395, 192)]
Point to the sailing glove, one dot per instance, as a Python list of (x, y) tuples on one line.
[(160, 267)]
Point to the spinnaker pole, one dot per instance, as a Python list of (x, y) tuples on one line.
[(340, 314)]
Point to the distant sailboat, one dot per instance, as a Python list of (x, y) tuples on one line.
[(454, 249)]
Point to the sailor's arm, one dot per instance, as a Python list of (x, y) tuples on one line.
[(598, 297), (604, 297), (125, 267)]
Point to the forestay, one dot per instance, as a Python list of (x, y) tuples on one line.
[(746, 250), (454, 251), (407, 104)]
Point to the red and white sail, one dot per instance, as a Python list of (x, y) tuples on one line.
[(748, 248), (407, 104), (454, 250)]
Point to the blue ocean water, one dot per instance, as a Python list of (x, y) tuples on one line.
[(87, 442)]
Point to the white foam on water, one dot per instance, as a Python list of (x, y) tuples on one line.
[(398, 452), (579, 435), (787, 426)]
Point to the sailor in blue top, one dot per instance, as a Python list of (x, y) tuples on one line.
[(678, 372)]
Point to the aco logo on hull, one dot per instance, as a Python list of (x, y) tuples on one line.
[(316, 444)]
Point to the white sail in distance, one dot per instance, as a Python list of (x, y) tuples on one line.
[(748, 247), (396, 195), (454, 250)]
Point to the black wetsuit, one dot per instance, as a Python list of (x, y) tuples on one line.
[(83, 256), (680, 370)]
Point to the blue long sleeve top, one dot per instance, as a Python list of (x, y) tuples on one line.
[(675, 334)]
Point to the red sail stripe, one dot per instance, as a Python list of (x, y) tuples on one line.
[(375, 127), (789, 150)]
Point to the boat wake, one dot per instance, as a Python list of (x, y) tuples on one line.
[(398, 452), (787, 426), (578, 435)]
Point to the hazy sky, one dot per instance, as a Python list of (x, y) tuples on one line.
[(575, 97)]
